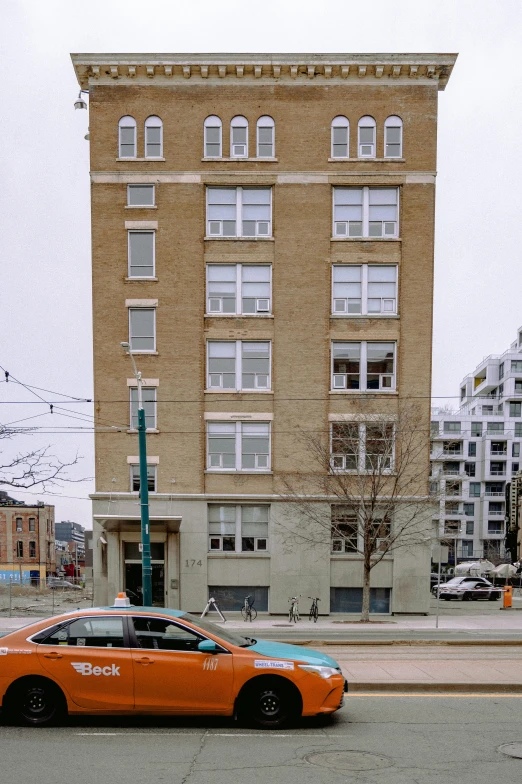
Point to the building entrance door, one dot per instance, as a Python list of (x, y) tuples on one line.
[(133, 573)]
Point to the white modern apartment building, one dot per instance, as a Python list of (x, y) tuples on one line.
[(474, 454)]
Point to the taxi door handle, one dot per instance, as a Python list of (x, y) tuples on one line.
[(53, 655), (145, 660)]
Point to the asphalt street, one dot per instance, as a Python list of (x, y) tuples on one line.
[(374, 739)]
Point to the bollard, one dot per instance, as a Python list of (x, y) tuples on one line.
[(508, 596), (10, 597)]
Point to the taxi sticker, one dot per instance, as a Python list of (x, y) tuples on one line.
[(80, 641), (267, 664), (3, 651), (210, 663)]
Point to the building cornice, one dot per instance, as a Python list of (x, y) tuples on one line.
[(243, 69)]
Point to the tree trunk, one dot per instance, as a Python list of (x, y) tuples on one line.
[(365, 614)]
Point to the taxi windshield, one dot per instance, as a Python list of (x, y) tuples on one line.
[(211, 628)]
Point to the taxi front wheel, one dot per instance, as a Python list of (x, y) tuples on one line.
[(270, 703), (36, 702)]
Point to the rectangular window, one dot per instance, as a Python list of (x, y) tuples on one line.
[(365, 290), (495, 527), (469, 510), (497, 468), (238, 528), (495, 427), (140, 196), (238, 365), (365, 212), (452, 447), (142, 329), (365, 366), (149, 406), (514, 468), (231, 598), (515, 409), (239, 289), (470, 527), (393, 141), (518, 429), (474, 489), (32, 549), (135, 478), (472, 449), (349, 600), (469, 469), (19, 524), (344, 530), (452, 427), (476, 429), (238, 446), (496, 508), (515, 450), (434, 429), (501, 371), (498, 448), (467, 548), (239, 212), (516, 365), (365, 447), (141, 254), (19, 549), (265, 138), (340, 141), (32, 523)]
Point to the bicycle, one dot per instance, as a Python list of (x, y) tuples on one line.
[(248, 611), (314, 609), (293, 614)]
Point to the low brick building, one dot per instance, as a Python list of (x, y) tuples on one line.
[(26, 540)]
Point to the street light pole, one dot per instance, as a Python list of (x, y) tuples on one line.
[(146, 569)]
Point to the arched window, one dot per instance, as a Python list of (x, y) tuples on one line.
[(153, 137), (213, 137), (366, 137), (340, 137), (265, 137), (127, 137), (239, 137), (393, 137)]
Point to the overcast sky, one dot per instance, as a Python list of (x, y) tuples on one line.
[(44, 194)]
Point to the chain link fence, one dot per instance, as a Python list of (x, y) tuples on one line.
[(33, 598)]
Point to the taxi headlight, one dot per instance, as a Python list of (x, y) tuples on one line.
[(322, 672)]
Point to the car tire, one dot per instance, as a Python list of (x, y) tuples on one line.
[(446, 598), (36, 702), (269, 703), (494, 597), (467, 597)]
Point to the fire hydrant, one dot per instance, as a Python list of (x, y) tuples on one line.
[(508, 596)]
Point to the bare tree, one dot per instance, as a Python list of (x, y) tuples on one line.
[(366, 489), (37, 467)]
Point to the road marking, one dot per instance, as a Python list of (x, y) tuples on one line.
[(427, 695), (210, 734)]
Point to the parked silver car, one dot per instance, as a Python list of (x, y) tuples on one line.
[(467, 589)]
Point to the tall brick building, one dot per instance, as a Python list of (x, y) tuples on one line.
[(262, 234), (26, 540)]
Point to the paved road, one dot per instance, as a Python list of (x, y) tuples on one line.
[(373, 740)]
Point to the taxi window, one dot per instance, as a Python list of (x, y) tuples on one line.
[(94, 632), (162, 634)]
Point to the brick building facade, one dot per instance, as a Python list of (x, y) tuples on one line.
[(256, 220), (26, 540)]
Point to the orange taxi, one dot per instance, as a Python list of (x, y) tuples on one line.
[(149, 660)]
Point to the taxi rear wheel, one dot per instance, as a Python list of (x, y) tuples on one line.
[(36, 702), (270, 703)]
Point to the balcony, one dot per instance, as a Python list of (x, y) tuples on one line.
[(499, 452), (499, 513), (494, 493)]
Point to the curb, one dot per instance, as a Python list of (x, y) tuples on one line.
[(412, 688), (411, 643)]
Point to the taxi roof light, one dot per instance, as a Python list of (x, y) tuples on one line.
[(122, 600)]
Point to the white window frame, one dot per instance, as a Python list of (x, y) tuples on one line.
[(364, 292), (141, 231), (127, 122), (133, 466), (209, 123), (239, 214), (154, 403), (153, 121), (336, 225), (394, 121), (265, 122), (237, 436), (146, 350), (335, 378), (238, 122), (239, 367), (340, 122), (339, 465), (135, 186), (367, 122), (238, 535), (263, 304)]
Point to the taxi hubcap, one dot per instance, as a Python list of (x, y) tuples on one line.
[(270, 704), (35, 701)]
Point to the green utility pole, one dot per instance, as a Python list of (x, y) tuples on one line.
[(146, 568)]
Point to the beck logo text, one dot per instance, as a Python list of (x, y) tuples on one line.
[(86, 668)]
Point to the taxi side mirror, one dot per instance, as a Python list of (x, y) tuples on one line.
[(207, 646)]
